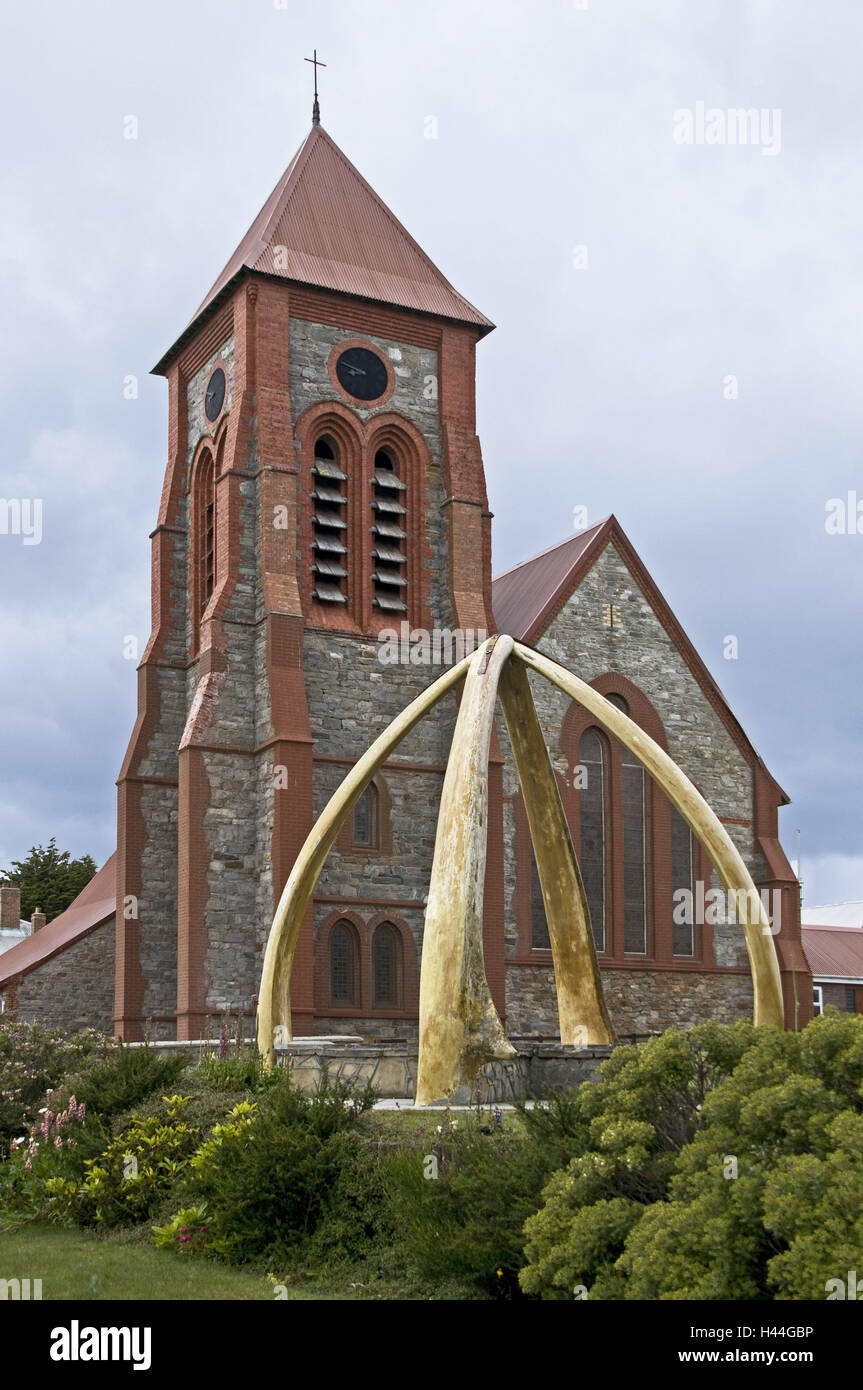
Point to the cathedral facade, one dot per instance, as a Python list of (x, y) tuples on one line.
[(325, 491)]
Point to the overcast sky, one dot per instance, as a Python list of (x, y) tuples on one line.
[(605, 385)]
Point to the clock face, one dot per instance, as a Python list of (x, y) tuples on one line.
[(362, 374), (215, 396)]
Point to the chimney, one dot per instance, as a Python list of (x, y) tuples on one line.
[(10, 905), (37, 920)]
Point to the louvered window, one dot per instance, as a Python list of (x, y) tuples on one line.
[(389, 536), (329, 543)]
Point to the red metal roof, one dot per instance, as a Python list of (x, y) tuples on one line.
[(93, 906), (323, 225), (832, 952), (521, 595)]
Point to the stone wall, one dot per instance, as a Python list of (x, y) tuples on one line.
[(75, 988), (639, 1001)]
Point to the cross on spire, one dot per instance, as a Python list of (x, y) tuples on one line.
[(316, 63)]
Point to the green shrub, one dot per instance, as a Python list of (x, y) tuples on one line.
[(724, 1164), (136, 1171), (266, 1174), (124, 1078), (243, 1072), (355, 1218), (460, 1207)]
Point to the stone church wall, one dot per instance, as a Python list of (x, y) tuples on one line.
[(74, 989)]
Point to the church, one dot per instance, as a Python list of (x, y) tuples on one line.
[(325, 490)]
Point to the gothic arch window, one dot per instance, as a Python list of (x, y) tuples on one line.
[(387, 968), (389, 534), (633, 847), (203, 534), (684, 860), (344, 965), (593, 782), (329, 524), (366, 820), (635, 809)]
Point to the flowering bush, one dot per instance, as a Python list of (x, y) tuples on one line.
[(32, 1060)]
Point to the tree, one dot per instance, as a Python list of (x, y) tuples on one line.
[(49, 879)]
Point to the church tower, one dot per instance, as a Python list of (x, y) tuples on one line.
[(324, 483)]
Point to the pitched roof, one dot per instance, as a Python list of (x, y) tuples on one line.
[(527, 599), (323, 225), (834, 952), (94, 905), (522, 595)]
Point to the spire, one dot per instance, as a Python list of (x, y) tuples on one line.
[(323, 225), (316, 110)]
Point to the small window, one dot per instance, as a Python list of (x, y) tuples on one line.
[(386, 949), (343, 971), (850, 1001), (366, 820), (817, 1000)]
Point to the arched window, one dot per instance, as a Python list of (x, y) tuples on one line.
[(343, 964), (636, 853), (330, 526), (366, 825), (389, 537), (593, 767), (386, 967), (205, 532), (684, 858)]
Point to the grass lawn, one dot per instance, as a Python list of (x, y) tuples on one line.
[(79, 1265)]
